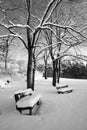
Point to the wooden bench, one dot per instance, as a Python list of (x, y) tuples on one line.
[(65, 90), (27, 100), (59, 86)]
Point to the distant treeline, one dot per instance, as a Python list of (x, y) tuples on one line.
[(70, 70), (74, 70)]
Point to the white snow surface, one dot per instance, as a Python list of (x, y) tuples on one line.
[(56, 112)]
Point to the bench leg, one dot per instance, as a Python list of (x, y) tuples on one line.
[(30, 110), (18, 109)]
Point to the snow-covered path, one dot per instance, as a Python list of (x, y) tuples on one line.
[(57, 111)]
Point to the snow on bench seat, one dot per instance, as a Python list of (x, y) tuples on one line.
[(28, 102), (61, 86), (65, 90)]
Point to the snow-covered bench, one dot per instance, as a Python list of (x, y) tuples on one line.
[(59, 86), (65, 90), (27, 100)]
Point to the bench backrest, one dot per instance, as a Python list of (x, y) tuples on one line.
[(20, 94)]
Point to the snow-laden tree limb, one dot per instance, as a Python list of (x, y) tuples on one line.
[(19, 26), (8, 27), (47, 10), (51, 12), (50, 29), (81, 57), (63, 52), (16, 36), (72, 35), (65, 27), (46, 47)]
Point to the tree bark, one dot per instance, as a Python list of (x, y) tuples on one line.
[(54, 73), (6, 54), (58, 72), (30, 70), (58, 66), (45, 70), (34, 69), (45, 73), (33, 79)]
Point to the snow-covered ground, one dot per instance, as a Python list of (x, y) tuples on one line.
[(56, 112)]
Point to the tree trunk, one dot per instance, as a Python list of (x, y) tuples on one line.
[(6, 61), (34, 68), (45, 70), (30, 69), (6, 54), (54, 73), (45, 73), (33, 79), (58, 66), (58, 72)]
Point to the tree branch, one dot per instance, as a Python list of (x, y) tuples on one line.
[(65, 27), (47, 10)]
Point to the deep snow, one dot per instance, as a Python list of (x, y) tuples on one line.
[(56, 112)]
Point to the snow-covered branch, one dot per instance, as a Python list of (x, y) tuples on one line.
[(19, 26), (50, 29), (47, 10), (65, 27), (14, 35), (81, 57), (51, 12), (47, 47), (8, 27)]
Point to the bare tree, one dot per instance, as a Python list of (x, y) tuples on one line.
[(32, 35)]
